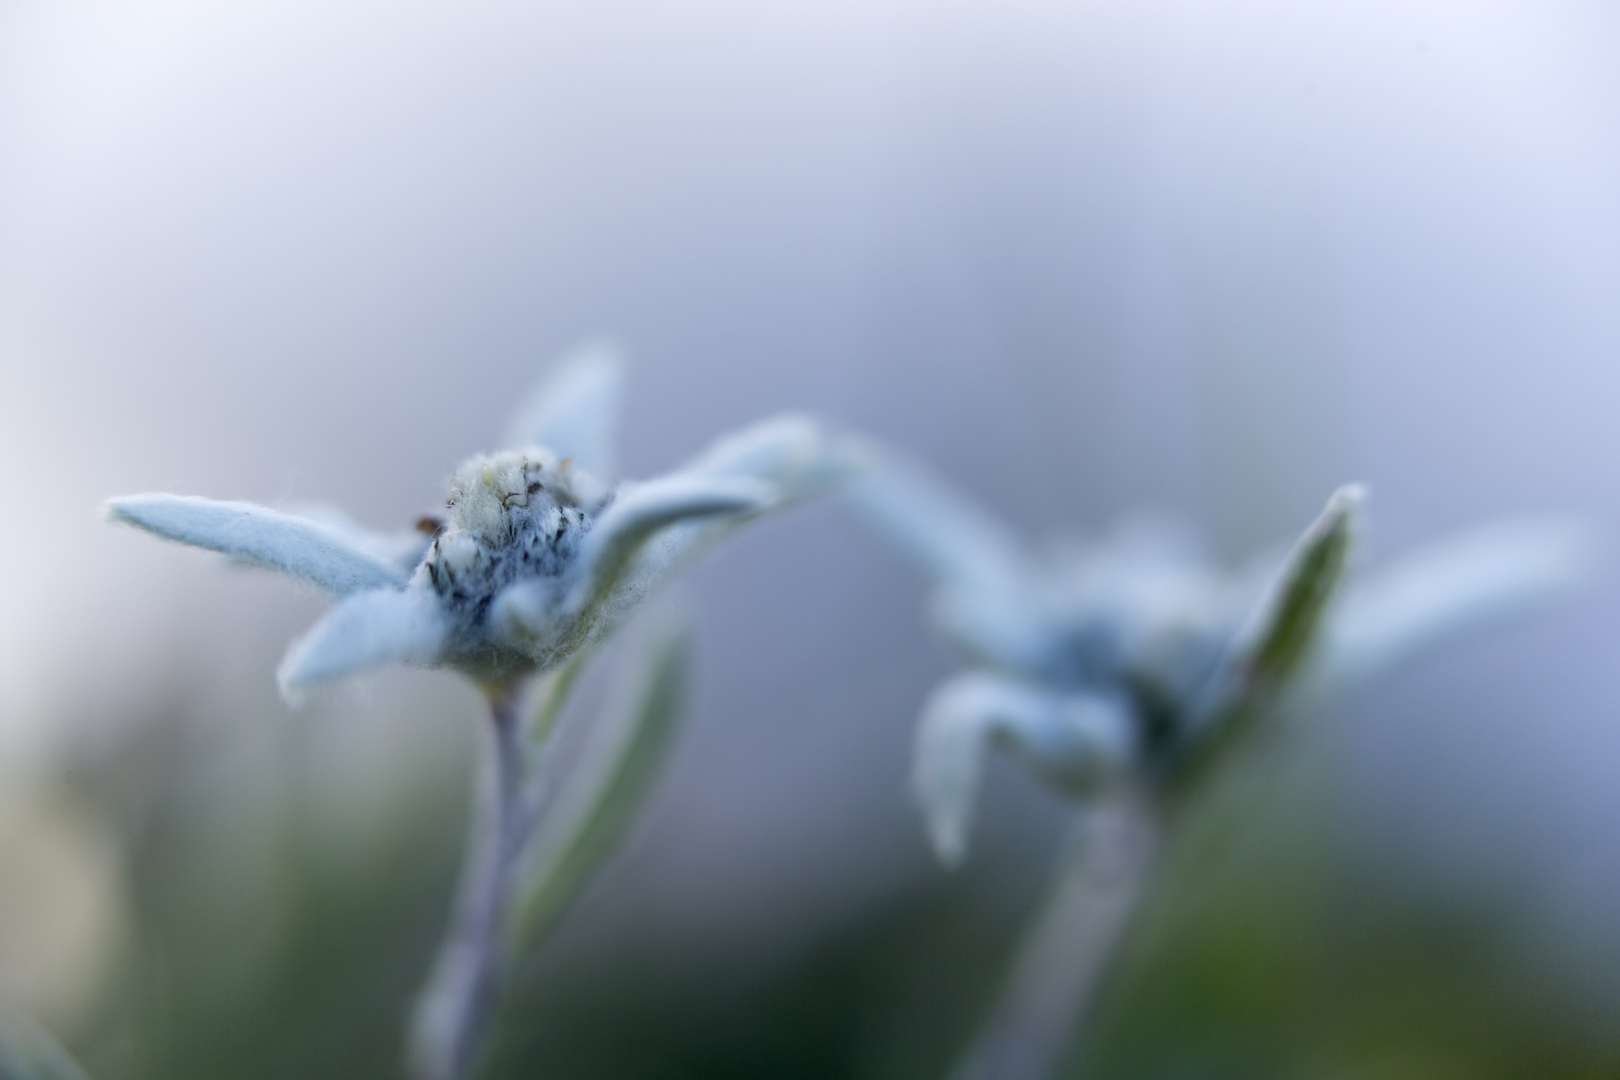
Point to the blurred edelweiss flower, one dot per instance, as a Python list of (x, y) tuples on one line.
[(540, 555), (1137, 658)]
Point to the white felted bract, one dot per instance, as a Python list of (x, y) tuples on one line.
[(366, 631), (944, 534), (575, 411), (983, 597), (998, 627), (524, 617), (792, 456), (643, 509), (1077, 741), (794, 453), (313, 551), (401, 549), (1428, 597)]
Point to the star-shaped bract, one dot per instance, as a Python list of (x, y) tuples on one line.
[(541, 553), (1138, 656)]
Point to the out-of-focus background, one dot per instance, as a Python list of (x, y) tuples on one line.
[(1209, 258)]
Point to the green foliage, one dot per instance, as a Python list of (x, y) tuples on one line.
[(547, 700), (1271, 949), (603, 790), (1278, 644)]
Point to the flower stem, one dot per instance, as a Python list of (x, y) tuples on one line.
[(454, 1013), (1069, 948)]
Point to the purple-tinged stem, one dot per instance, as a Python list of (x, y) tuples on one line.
[(453, 1016)]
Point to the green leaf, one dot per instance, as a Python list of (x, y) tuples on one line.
[(548, 698), (602, 792), (1280, 638), (27, 1052), (1308, 581)]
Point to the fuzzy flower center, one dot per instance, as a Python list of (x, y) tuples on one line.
[(514, 515), (494, 495)]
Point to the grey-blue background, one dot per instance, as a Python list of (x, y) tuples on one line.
[(1086, 257)]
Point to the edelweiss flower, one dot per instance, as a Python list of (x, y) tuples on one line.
[(539, 553), (1137, 657), (538, 556)]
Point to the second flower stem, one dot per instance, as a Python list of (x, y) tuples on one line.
[(1068, 951)]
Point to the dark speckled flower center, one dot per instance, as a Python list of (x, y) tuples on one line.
[(514, 516)]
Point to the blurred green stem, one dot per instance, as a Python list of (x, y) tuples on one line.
[(454, 1014), (1067, 951)]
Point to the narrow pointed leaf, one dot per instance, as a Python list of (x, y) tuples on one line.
[(604, 789), (1281, 636), (549, 697), (318, 553), (367, 630), (575, 411), (1293, 613), (1074, 741)]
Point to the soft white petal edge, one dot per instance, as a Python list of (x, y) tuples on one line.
[(941, 531), (979, 566), (793, 453), (319, 553), (574, 412), (367, 630), (1445, 589), (526, 617), (641, 510), (402, 549), (996, 625), (1076, 741)]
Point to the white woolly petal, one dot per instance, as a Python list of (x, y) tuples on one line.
[(367, 630), (402, 549), (942, 532), (793, 458), (525, 616), (575, 411), (1076, 741), (319, 553), (1446, 589), (794, 454), (641, 510), (997, 625)]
